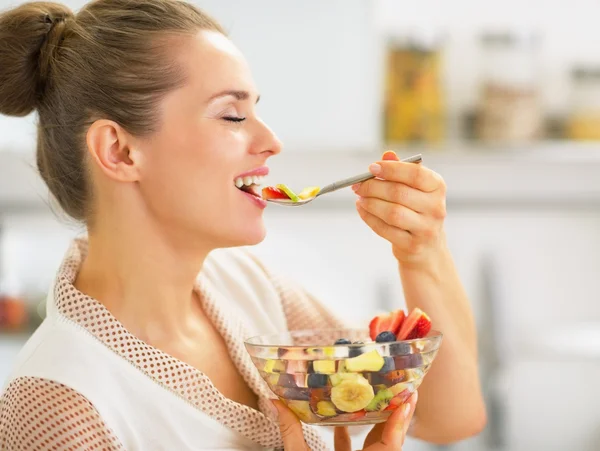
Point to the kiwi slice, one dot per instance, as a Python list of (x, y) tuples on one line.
[(293, 197), (380, 401)]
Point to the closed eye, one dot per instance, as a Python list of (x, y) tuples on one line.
[(234, 119)]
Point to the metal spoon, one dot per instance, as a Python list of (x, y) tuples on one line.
[(339, 185)]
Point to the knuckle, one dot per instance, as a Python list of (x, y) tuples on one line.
[(380, 228), (399, 192), (440, 212), (416, 177), (395, 215)]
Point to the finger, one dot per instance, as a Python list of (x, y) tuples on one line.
[(394, 433), (383, 229), (398, 193), (291, 428), (395, 215), (341, 439), (413, 406), (390, 155), (374, 435), (415, 175)]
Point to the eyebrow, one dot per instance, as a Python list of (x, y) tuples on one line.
[(239, 95)]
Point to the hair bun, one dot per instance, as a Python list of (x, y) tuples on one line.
[(29, 37)]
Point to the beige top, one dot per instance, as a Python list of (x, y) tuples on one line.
[(38, 413)]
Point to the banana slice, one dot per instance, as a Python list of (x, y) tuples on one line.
[(352, 395)]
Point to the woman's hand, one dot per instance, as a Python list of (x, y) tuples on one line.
[(405, 204), (386, 436)]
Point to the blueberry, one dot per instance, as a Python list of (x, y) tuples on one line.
[(343, 341), (400, 349), (385, 337), (317, 380), (388, 365), (355, 351)]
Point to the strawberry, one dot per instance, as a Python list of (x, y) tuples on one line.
[(416, 325), (390, 322), (271, 192)]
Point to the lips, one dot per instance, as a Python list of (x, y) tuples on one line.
[(250, 181)]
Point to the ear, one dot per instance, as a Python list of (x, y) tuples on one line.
[(110, 147)]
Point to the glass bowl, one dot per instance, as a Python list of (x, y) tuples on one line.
[(336, 385)]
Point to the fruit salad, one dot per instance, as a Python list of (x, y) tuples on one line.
[(354, 381), (283, 192)]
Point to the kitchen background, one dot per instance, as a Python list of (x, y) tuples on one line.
[(501, 98)]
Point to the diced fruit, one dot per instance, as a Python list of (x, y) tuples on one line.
[(272, 379), (302, 411), (388, 365), (352, 395), (354, 350), (371, 361), (286, 380), (326, 409), (343, 341), (324, 366), (299, 394), (296, 366), (300, 379), (408, 361), (291, 195), (274, 366), (338, 378), (386, 322), (414, 374), (416, 325), (385, 337), (401, 387), (393, 377), (400, 348), (270, 192), (309, 192), (317, 380), (380, 401)]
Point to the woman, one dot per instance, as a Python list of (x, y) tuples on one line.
[(146, 119)]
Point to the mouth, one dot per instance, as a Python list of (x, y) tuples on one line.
[(250, 184)]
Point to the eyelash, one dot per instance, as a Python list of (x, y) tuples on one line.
[(234, 119)]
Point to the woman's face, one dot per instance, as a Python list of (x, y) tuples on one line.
[(210, 136)]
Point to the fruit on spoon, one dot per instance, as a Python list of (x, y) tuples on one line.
[(291, 195), (271, 192), (309, 192)]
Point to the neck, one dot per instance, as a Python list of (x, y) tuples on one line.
[(142, 276)]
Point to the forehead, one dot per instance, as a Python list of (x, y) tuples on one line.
[(213, 63)]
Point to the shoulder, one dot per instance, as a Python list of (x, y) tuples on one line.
[(42, 414)]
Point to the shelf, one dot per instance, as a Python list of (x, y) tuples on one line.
[(545, 175)]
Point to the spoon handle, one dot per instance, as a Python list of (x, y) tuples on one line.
[(361, 177)]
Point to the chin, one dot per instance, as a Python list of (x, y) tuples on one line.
[(247, 236)]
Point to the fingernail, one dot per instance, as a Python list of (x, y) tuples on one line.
[(355, 187), (274, 409), (360, 200), (406, 410), (375, 168)]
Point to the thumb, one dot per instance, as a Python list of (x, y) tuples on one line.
[(390, 155), (291, 428)]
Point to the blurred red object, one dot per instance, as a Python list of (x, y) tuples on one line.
[(13, 313)]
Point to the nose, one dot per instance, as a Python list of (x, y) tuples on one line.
[(266, 141)]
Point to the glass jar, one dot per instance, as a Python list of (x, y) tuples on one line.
[(414, 110), (583, 123), (509, 109)]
